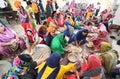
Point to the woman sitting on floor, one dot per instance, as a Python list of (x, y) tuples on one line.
[(9, 41), (31, 39), (58, 43), (51, 68), (79, 38), (50, 31), (23, 67), (61, 20), (91, 67), (42, 30), (69, 30)]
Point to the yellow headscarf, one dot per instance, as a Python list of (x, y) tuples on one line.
[(105, 46)]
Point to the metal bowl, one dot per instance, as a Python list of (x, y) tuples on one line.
[(72, 57)]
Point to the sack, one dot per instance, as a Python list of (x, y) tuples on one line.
[(13, 47)]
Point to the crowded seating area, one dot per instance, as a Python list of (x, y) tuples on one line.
[(72, 42)]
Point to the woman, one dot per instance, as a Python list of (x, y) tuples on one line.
[(79, 38), (51, 68), (89, 14), (69, 30), (48, 9), (23, 17), (30, 14), (31, 39), (9, 41), (36, 11), (104, 47), (91, 67), (23, 68), (58, 44), (42, 30), (50, 31), (61, 20), (78, 20)]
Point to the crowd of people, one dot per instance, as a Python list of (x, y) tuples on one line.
[(82, 18)]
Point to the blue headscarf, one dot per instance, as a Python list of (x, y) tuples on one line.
[(54, 60)]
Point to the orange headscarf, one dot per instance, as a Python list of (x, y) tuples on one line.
[(17, 4)]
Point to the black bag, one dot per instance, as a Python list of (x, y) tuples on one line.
[(118, 42)]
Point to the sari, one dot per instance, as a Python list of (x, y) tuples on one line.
[(105, 46), (4, 50)]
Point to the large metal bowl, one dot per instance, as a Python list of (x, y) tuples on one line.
[(41, 51), (4, 67), (72, 57)]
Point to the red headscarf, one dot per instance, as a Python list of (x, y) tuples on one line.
[(31, 37), (49, 20), (93, 63)]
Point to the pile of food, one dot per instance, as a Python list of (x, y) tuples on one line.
[(73, 48), (41, 51)]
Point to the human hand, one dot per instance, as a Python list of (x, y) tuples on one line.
[(12, 41)]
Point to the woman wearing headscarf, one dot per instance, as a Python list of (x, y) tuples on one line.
[(104, 47), (36, 11), (79, 38), (69, 30), (58, 43), (61, 20), (78, 20), (91, 67), (23, 67), (30, 14), (23, 16), (9, 41), (48, 9), (51, 68), (31, 39), (50, 31)]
